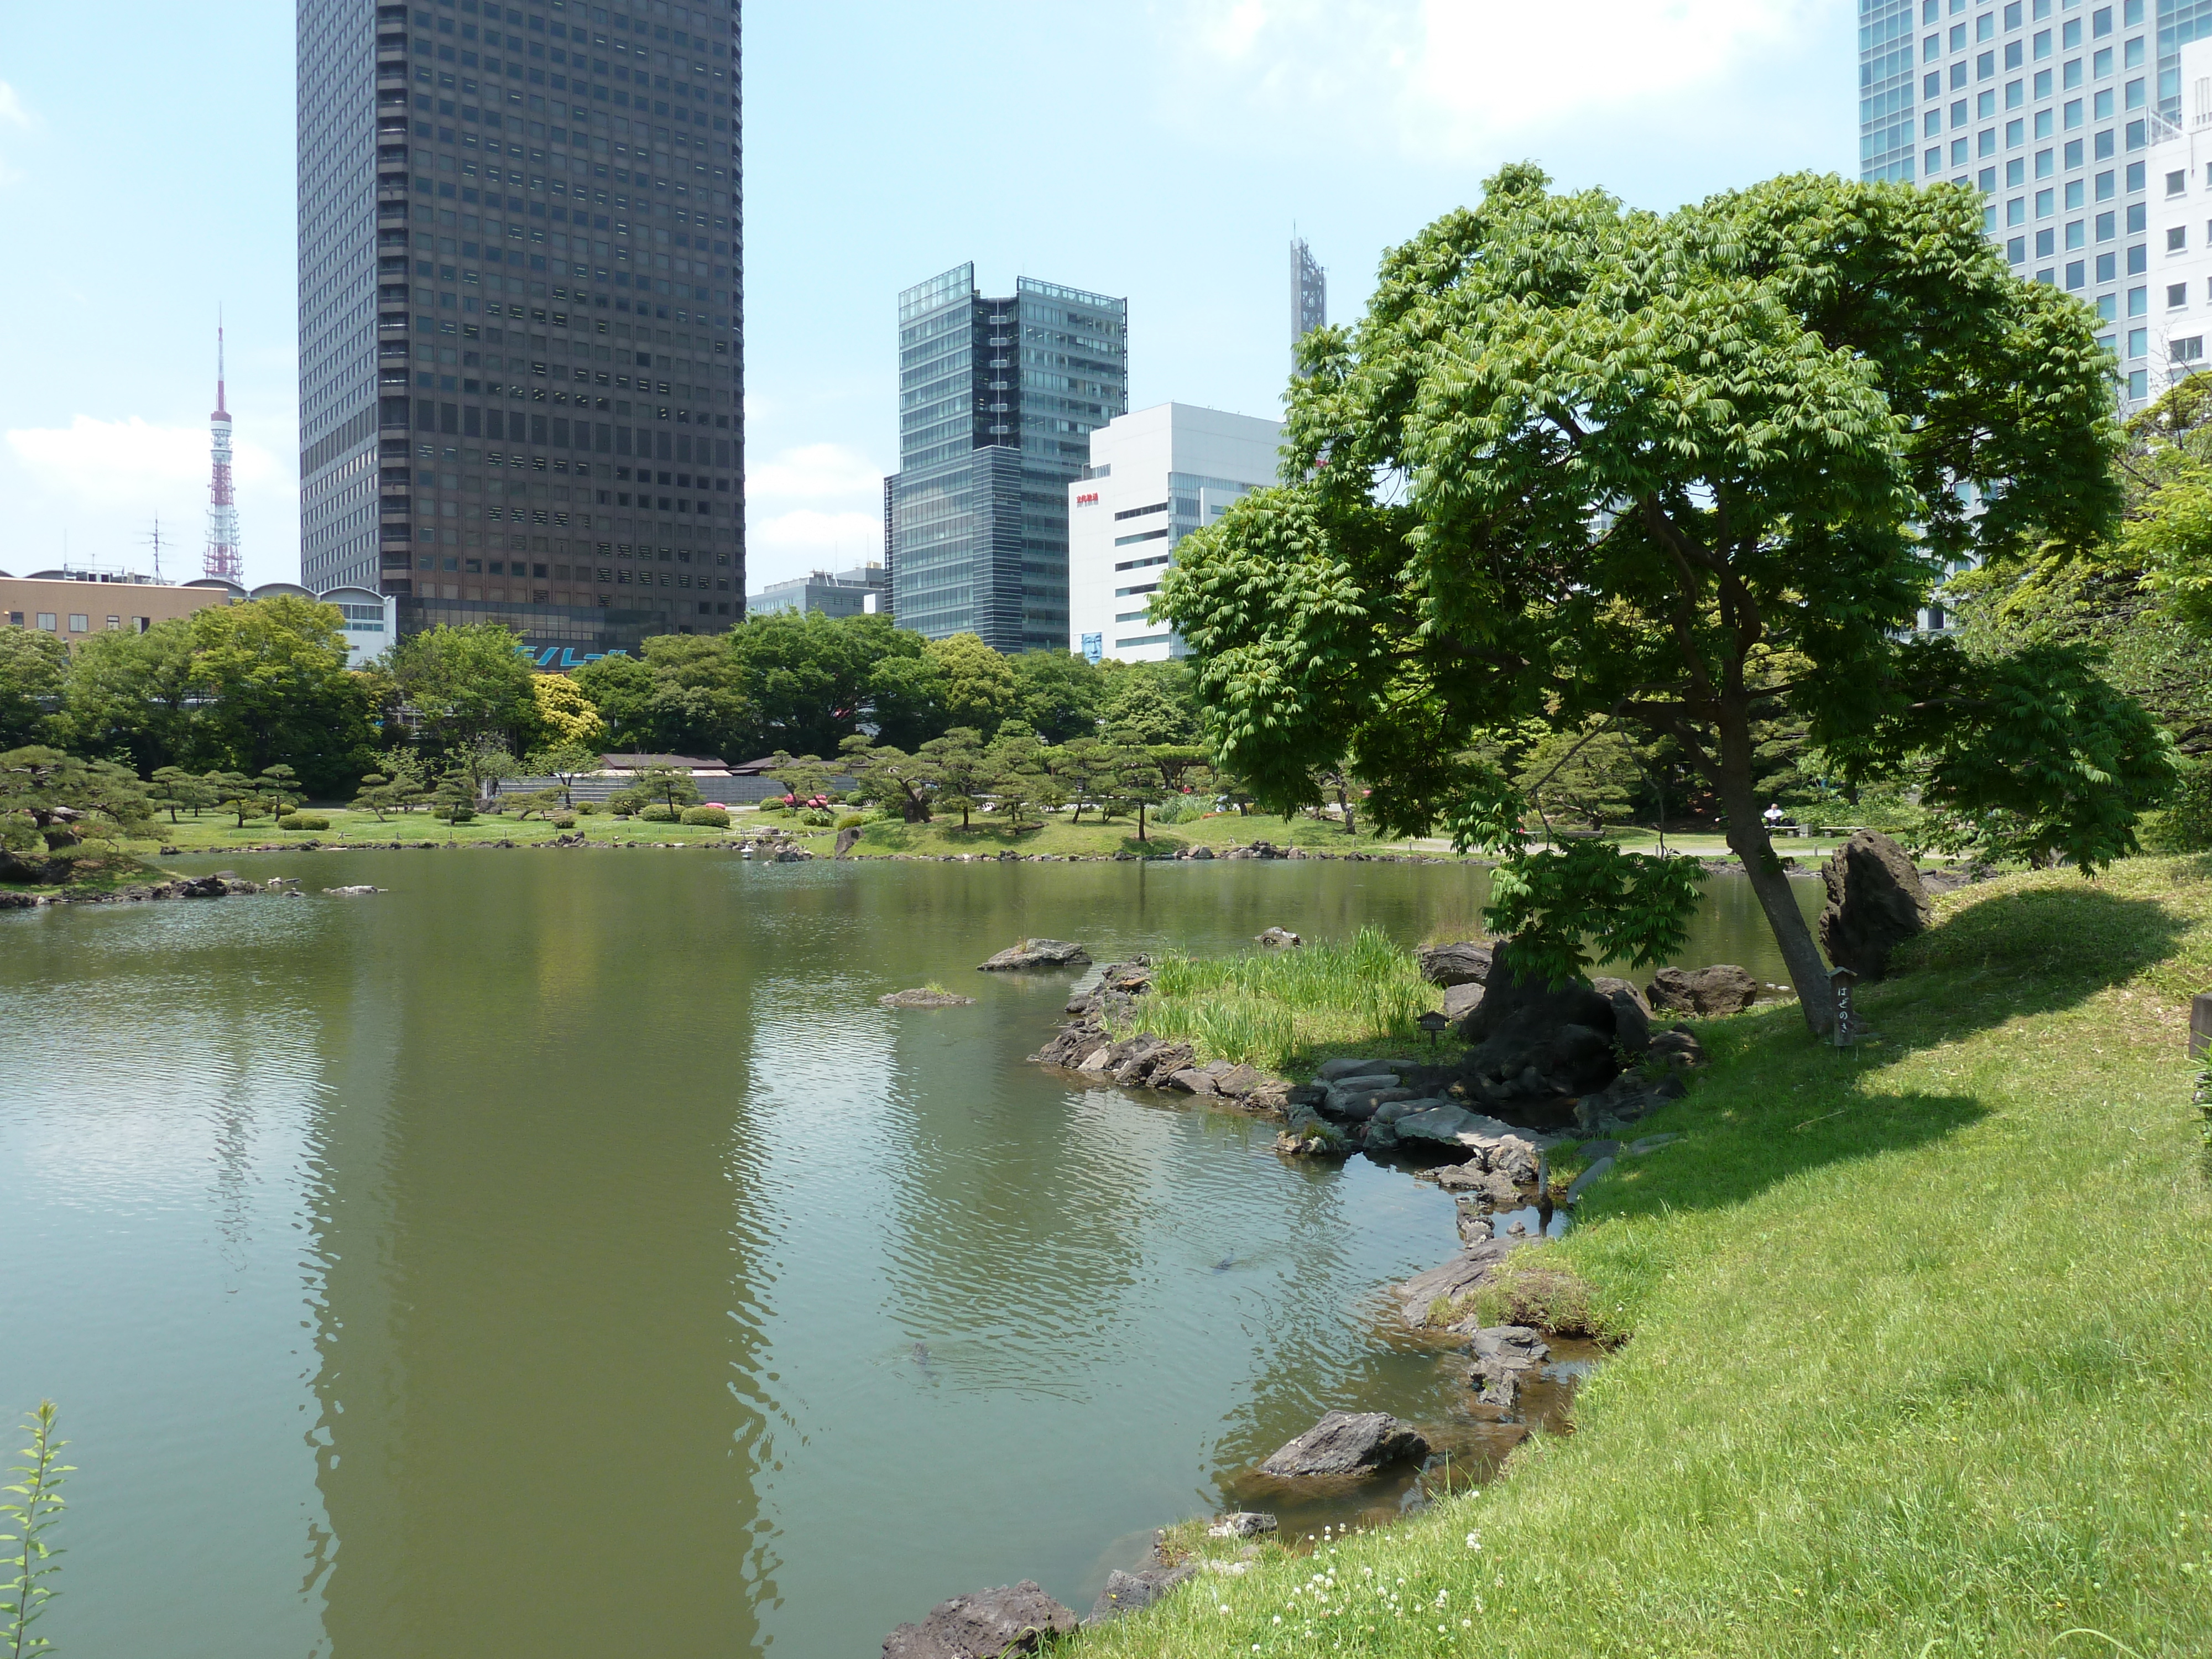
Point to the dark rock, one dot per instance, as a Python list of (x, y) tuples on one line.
[(1583, 1180), (1508, 997), (1244, 1523), (1724, 989), (991, 1623), (1460, 1000), (1677, 1048), (1346, 1442), (847, 840), (1353, 1099), (1127, 1592), (203, 887), (1452, 1281), (32, 871), (1464, 964), (1330, 1071), (1037, 953), (921, 997), (1191, 1082), (1506, 1358), (1237, 1081), (1876, 901), (1278, 938), (1306, 1133)]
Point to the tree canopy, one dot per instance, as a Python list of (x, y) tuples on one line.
[(1674, 475)]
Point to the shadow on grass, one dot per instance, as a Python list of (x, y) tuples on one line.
[(1778, 1102), (935, 839)]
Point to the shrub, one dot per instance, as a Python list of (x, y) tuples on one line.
[(2185, 826), (851, 820), (563, 820), (453, 814), (775, 804), (662, 814), (817, 818), (716, 816), (303, 821), (589, 809)]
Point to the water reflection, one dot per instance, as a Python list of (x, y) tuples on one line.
[(562, 1254)]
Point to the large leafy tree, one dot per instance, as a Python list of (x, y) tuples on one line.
[(1674, 475), (1057, 693), (979, 687), (271, 687), (54, 797), (812, 680), (466, 686), (34, 673), (133, 696)]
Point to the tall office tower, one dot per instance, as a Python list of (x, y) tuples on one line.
[(998, 400), (521, 328), (1309, 295), (2047, 107)]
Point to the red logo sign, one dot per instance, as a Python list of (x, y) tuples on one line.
[(1086, 500)]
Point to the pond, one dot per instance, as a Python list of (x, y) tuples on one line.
[(562, 1253)]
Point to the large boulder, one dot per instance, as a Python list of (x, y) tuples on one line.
[(1346, 1442), (1460, 1000), (1451, 1282), (1038, 953), (1876, 901), (1127, 1592), (1464, 964), (1014, 1619), (1532, 1003), (1724, 989), (1505, 1357)]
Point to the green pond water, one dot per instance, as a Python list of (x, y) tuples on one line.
[(562, 1253)]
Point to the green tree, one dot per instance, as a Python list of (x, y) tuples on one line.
[(454, 800), (888, 776), (963, 773), (1686, 472), (1019, 779), (280, 786), (979, 682), (564, 762), (1157, 700), (620, 688), (400, 788), (34, 676), (271, 687), (134, 695), (804, 777), (811, 678), (466, 686), (1589, 776), (50, 797), (487, 765), (1075, 767), (173, 790), (1128, 778), (664, 786), (1057, 693), (239, 793)]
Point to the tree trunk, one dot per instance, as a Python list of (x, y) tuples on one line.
[(1749, 840), (1140, 820)]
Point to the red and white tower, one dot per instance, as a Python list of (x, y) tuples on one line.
[(221, 558)]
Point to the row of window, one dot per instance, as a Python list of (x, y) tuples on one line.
[(48, 621)]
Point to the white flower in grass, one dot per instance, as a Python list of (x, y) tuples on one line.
[(1474, 1541)]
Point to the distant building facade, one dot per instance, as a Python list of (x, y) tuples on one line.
[(521, 346), (863, 592), (998, 400), (1154, 477), (75, 604)]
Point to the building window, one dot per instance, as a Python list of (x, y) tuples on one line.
[(2191, 351), (80, 623), (46, 620), (2177, 237), (2138, 342), (2177, 296)]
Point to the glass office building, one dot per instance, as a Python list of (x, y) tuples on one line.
[(998, 400), (521, 298), (2049, 108)]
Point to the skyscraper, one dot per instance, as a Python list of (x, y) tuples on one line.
[(1309, 295), (998, 400), (2047, 107), (521, 328)]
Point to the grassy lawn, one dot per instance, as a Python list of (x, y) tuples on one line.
[(1920, 1361)]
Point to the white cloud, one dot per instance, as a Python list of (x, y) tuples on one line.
[(815, 473), (1462, 79), (112, 463), (11, 107)]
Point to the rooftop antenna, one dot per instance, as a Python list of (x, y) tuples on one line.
[(221, 560), (154, 542)]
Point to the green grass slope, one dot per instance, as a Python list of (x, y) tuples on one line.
[(1921, 1350)]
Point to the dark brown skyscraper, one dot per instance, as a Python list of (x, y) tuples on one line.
[(521, 314)]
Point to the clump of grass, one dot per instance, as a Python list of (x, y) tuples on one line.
[(1283, 1009), (1532, 1286)]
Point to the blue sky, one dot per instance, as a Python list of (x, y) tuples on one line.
[(1161, 150)]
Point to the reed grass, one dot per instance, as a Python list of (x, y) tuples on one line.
[(1286, 1011)]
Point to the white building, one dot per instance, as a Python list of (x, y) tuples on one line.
[(1155, 475), (2169, 342)]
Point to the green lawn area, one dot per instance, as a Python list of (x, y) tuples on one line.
[(214, 833), (1919, 1342)]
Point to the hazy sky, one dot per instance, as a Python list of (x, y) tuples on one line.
[(1163, 151)]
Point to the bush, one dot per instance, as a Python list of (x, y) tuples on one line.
[(2185, 826), (661, 814), (563, 820), (453, 814), (775, 804), (817, 818), (851, 820), (716, 816), (303, 821), (589, 809)]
